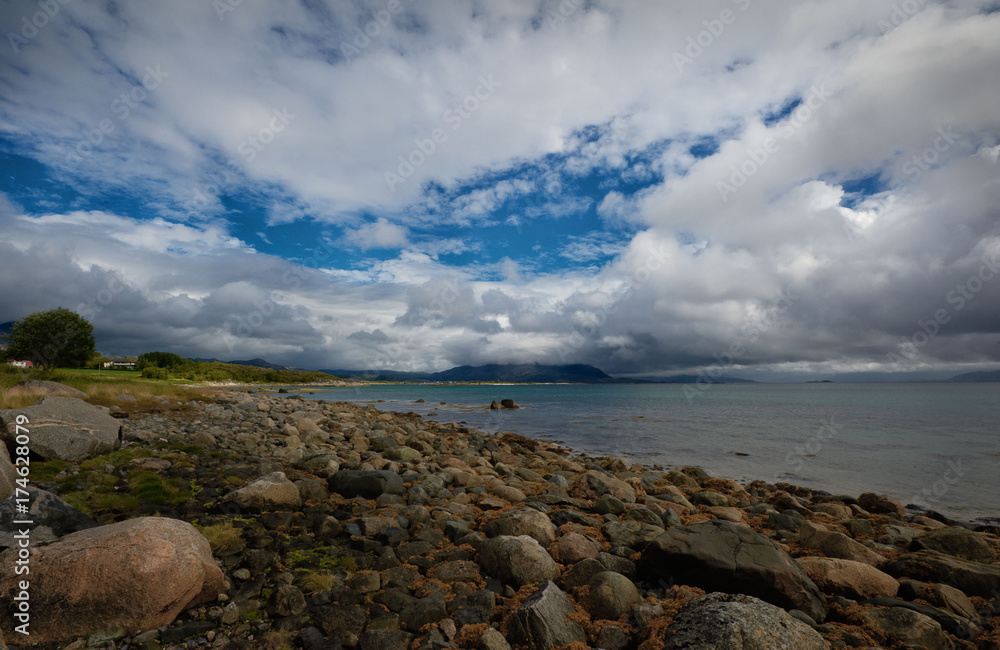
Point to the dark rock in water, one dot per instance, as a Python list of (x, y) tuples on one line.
[(509, 404), (973, 578), (495, 406), (541, 622), (52, 518), (352, 483), (723, 556), (65, 427), (719, 620)]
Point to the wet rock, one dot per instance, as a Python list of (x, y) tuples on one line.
[(267, 493), (367, 484), (65, 427), (722, 556), (854, 580), (593, 484), (738, 622), (959, 542), (608, 504), (541, 622), (972, 578), (881, 505), (837, 545), (906, 626), (517, 560), (137, 574), (523, 521), (611, 595)]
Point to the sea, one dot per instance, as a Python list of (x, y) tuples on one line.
[(931, 445)]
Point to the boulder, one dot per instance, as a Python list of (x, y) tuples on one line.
[(847, 578), (611, 595), (722, 556), (402, 454), (52, 518), (905, 626), (53, 388), (8, 473), (541, 621), (369, 484), (838, 545), (738, 622), (517, 560), (593, 484), (959, 542), (523, 521), (881, 505), (574, 547), (509, 404), (972, 578), (64, 427), (271, 492), (136, 575)]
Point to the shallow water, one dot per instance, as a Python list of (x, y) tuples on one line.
[(933, 444)]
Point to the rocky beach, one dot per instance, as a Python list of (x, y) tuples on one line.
[(251, 519)]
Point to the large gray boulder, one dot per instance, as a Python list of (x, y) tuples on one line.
[(135, 575), (722, 556), (352, 483), (52, 517), (49, 388), (738, 622), (64, 427), (973, 578), (271, 492), (517, 560), (523, 521), (541, 622), (8, 473)]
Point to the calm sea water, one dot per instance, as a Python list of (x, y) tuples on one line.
[(935, 444)]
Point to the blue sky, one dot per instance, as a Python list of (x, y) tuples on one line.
[(741, 186)]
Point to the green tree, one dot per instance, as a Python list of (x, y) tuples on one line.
[(158, 360), (54, 338)]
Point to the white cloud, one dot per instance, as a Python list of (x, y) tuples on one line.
[(380, 234)]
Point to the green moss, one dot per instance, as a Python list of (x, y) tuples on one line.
[(153, 488), (118, 458), (321, 558), (47, 470)]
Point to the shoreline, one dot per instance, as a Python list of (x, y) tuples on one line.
[(333, 522)]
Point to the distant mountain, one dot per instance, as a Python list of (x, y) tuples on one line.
[(983, 375), (694, 379), (520, 373), (259, 363)]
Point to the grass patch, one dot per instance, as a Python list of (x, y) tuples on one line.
[(314, 583), (321, 558), (46, 471), (118, 458), (221, 536), (153, 488)]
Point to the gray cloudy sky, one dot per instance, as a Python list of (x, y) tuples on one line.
[(772, 190)]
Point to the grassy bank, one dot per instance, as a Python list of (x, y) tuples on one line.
[(101, 389)]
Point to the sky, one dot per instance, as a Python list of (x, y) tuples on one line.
[(769, 190)]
